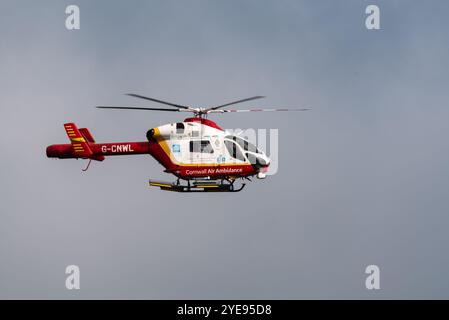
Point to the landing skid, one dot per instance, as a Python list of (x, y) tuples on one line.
[(197, 186)]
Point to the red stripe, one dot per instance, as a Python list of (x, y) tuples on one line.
[(206, 122)]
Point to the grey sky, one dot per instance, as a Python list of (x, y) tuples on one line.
[(363, 177)]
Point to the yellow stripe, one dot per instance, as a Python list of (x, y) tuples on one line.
[(80, 139), (162, 142), (213, 164), (160, 185)]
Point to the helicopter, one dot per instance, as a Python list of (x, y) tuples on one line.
[(198, 152)]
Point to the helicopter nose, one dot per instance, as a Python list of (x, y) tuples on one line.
[(264, 168), (263, 160), (262, 172)]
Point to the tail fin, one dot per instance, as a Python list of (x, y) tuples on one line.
[(86, 134), (90, 139), (79, 144)]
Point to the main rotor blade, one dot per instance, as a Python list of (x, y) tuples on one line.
[(158, 101), (137, 108), (256, 110), (238, 101)]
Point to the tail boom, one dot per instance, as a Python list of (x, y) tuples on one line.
[(84, 146)]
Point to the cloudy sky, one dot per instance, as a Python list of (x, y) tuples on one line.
[(363, 177)]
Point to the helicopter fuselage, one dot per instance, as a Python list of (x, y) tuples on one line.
[(196, 148)]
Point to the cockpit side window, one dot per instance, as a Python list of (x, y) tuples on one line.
[(234, 150)]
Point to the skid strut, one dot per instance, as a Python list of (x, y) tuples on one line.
[(197, 186)]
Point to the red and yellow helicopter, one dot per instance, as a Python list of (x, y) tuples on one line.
[(196, 150)]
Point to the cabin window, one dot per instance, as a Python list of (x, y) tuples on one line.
[(201, 146), (195, 134), (180, 128), (234, 150)]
